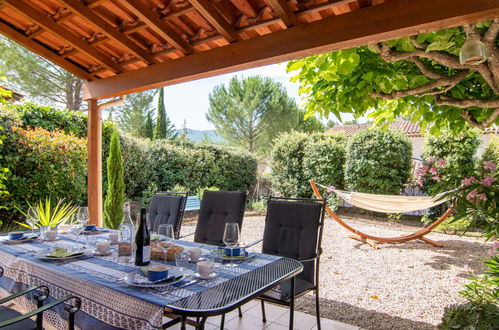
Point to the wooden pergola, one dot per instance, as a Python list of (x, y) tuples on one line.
[(126, 46)]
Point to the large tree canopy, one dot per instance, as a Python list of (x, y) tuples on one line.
[(42, 81), (417, 77), (132, 116), (251, 112)]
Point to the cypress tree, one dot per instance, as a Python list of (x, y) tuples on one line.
[(149, 127), (164, 127), (113, 206)]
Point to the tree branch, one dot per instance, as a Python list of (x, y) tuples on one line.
[(421, 90), (481, 103), (484, 124), (424, 70)]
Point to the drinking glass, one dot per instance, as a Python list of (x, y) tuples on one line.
[(152, 230), (82, 215), (76, 229), (182, 261), (166, 235), (231, 237), (32, 218)]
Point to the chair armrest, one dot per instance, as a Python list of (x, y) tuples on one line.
[(251, 244), (71, 310), (186, 235), (313, 258), (28, 290)]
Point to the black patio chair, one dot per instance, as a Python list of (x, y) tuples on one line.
[(13, 320), (293, 229), (167, 208), (218, 208)]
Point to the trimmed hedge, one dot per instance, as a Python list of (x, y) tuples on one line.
[(378, 161), (298, 158)]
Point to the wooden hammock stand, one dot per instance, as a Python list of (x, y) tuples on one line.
[(372, 240)]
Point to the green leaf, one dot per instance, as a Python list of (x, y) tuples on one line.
[(440, 45)]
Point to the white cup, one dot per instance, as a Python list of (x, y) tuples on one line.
[(205, 268), (113, 237), (195, 254), (102, 247)]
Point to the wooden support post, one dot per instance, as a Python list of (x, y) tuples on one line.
[(94, 162)]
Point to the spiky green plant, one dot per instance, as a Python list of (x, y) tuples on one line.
[(51, 216), (113, 206)]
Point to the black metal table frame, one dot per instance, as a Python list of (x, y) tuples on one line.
[(181, 314)]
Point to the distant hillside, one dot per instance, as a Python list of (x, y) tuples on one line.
[(195, 135)]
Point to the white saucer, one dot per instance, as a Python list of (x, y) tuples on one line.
[(209, 277), (200, 259)]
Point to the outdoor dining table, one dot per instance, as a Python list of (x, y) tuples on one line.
[(109, 303)]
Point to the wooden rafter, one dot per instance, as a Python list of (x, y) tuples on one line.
[(216, 19), (108, 30), (283, 10), (156, 24), (44, 52), (304, 40), (29, 12)]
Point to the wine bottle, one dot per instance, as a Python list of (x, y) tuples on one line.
[(142, 242)]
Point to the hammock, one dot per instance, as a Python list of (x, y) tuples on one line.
[(386, 204)]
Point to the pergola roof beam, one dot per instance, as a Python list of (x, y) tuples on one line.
[(282, 10), (157, 25), (206, 9), (110, 31), (23, 8)]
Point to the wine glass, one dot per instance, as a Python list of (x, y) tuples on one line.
[(165, 232), (150, 225), (32, 218), (231, 237), (76, 229), (82, 215)]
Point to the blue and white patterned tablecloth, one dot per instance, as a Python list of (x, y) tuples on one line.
[(107, 302)]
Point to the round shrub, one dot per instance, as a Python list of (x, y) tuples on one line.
[(378, 161), (298, 158), (456, 154)]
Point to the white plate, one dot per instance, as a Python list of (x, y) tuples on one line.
[(130, 277), (209, 277)]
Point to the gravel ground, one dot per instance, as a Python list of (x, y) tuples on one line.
[(399, 286)]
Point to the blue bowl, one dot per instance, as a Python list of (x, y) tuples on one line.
[(90, 227), (235, 252), (156, 275), (16, 235)]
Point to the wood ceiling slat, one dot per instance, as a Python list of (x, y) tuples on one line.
[(156, 24), (108, 30), (44, 52), (49, 25), (216, 19), (282, 10)]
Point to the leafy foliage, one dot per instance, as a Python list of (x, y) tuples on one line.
[(115, 197), (470, 316), (491, 152), (49, 215), (378, 161), (251, 112), (132, 116), (457, 153), (298, 158), (419, 78)]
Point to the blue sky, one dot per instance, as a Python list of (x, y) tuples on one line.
[(189, 100)]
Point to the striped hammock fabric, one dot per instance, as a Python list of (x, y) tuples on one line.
[(388, 203)]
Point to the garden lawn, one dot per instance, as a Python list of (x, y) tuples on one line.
[(399, 286)]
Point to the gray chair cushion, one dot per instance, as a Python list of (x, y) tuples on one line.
[(166, 209), (7, 314), (218, 208), (292, 230)]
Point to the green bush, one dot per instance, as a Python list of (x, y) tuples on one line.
[(491, 152), (298, 158), (115, 198), (43, 163), (470, 316), (458, 155), (378, 161)]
